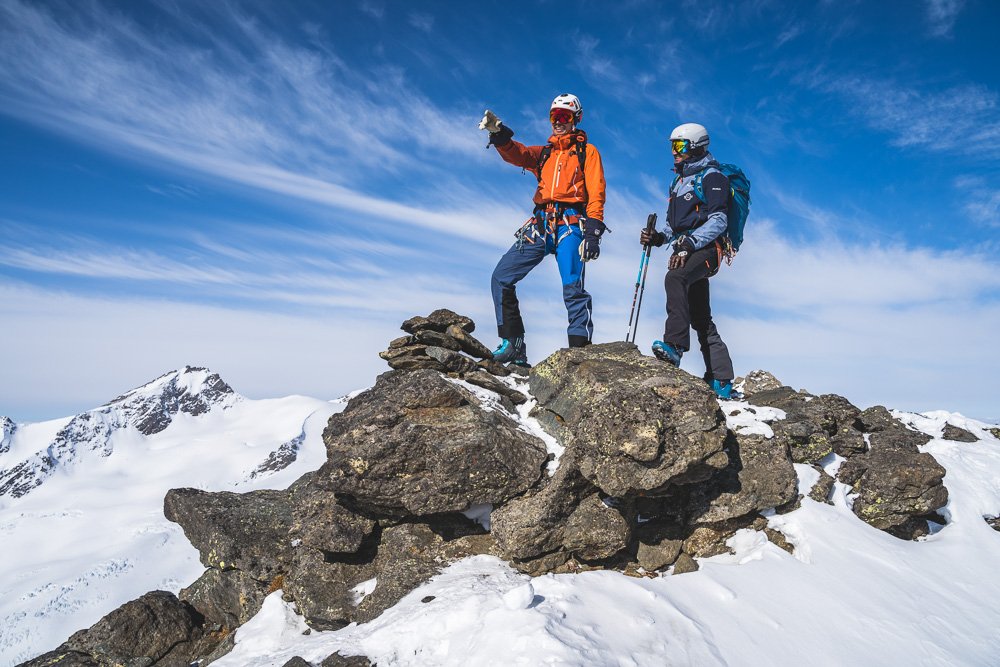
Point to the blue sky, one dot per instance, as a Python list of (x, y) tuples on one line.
[(269, 189)]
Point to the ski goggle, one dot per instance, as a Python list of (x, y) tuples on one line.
[(680, 146), (561, 116)]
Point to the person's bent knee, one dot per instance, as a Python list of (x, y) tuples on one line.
[(675, 277)]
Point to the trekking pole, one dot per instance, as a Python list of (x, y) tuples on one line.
[(640, 283)]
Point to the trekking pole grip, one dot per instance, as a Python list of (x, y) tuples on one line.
[(650, 227)]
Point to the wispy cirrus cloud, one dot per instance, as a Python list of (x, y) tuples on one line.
[(254, 110), (942, 15), (421, 21), (982, 199), (963, 118), (279, 269)]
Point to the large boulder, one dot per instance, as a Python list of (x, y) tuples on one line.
[(418, 444), (155, 629), (535, 524), (897, 485), (637, 424), (896, 488)]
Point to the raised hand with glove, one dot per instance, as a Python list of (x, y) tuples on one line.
[(500, 134), (592, 231), (683, 246)]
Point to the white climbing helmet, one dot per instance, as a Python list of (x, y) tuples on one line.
[(696, 135), (569, 102)]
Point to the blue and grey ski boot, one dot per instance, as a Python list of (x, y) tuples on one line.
[(512, 351), (723, 389), (667, 352)]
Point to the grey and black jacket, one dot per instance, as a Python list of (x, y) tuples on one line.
[(703, 221)]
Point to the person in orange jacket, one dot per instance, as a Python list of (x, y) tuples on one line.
[(567, 221)]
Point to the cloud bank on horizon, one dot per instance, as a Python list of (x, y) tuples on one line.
[(269, 191)]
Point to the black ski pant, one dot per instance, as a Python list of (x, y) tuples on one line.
[(688, 307)]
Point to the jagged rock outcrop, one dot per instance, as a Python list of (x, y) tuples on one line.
[(282, 457), (814, 426), (417, 444), (958, 434), (638, 425), (338, 660), (756, 382), (823, 488), (257, 532), (7, 430)]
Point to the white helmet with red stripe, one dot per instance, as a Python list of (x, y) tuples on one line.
[(570, 103)]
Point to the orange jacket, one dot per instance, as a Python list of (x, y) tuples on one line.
[(561, 180)]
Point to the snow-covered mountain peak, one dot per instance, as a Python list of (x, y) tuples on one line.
[(191, 390), (148, 409)]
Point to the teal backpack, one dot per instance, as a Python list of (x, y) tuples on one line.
[(739, 201)]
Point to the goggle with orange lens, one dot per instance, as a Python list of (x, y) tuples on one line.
[(680, 146), (561, 116)]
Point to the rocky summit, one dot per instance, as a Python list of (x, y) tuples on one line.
[(600, 458)]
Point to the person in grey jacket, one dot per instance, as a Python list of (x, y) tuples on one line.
[(697, 229)]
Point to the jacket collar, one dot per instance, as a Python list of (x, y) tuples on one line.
[(693, 167), (566, 141)]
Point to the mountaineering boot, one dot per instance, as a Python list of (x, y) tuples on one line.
[(512, 350), (723, 389), (667, 352)]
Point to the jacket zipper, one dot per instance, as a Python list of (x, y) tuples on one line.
[(555, 179)]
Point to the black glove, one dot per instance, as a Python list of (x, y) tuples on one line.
[(502, 136), (683, 246), (653, 237), (592, 231)]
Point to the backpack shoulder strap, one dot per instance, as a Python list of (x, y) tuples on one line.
[(581, 152), (699, 189), (542, 158)]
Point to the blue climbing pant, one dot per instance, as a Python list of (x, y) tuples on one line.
[(525, 255)]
